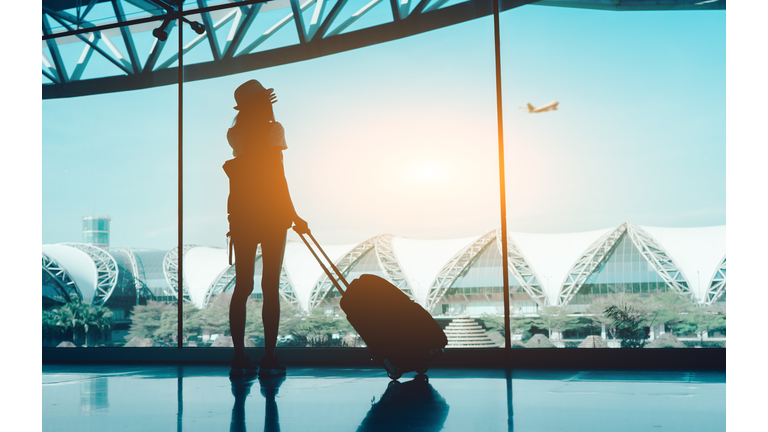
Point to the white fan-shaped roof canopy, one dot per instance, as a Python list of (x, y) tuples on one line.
[(201, 266), (552, 255), (697, 251), (304, 271), (421, 260), (79, 266)]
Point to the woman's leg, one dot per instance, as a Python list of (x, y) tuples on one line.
[(272, 251), (245, 255)]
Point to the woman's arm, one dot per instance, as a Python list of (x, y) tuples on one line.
[(300, 225)]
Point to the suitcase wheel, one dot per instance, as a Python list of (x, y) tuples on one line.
[(393, 372), (422, 370)]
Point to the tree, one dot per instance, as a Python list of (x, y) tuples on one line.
[(596, 312), (291, 318), (51, 331), (670, 309), (523, 325), (556, 319), (254, 325), (99, 318), (629, 322), (553, 318), (160, 321), (316, 328), (146, 319), (76, 316), (168, 328), (317, 323), (701, 320), (495, 322), (597, 309), (214, 319)]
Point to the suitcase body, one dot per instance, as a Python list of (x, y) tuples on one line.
[(401, 335)]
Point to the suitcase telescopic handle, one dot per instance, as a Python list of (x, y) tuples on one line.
[(325, 268)]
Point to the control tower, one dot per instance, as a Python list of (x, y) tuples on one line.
[(96, 231)]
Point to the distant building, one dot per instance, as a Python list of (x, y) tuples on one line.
[(96, 231), (447, 277)]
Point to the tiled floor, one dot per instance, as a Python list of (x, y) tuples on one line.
[(203, 398)]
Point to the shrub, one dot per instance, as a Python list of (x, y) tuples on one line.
[(539, 341), (667, 340), (704, 344)]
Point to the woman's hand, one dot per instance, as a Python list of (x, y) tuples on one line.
[(300, 226)]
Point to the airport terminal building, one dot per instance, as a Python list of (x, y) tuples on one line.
[(455, 277)]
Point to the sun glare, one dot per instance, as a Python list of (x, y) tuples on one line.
[(427, 172)]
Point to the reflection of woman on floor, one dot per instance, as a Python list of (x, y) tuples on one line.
[(260, 212), (241, 388), (269, 388)]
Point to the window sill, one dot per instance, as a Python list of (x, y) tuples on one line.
[(538, 358)]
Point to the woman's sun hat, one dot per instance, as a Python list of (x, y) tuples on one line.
[(249, 92)]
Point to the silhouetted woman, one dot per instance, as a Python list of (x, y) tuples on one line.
[(260, 212)]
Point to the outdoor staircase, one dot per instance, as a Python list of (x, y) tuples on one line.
[(464, 332)]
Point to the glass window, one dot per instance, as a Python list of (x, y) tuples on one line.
[(148, 219)]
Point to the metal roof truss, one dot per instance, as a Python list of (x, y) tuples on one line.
[(717, 286), (56, 271), (457, 266), (106, 271), (523, 272)]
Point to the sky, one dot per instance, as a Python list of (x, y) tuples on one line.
[(401, 137)]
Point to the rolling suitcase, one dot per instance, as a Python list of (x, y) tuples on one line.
[(401, 335)]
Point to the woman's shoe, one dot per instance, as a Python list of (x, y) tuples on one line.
[(269, 368), (243, 368)]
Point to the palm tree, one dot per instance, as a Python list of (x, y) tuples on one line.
[(50, 329), (628, 322), (66, 317), (76, 315), (97, 317)]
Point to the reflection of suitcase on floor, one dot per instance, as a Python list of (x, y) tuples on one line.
[(402, 336), (410, 406)]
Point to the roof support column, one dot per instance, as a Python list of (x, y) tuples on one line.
[(180, 290), (502, 189)]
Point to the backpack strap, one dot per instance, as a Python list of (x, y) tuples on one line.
[(230, 246)]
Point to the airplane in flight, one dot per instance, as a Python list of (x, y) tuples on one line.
[(547, 107)]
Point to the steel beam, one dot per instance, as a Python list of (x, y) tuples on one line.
[(208, 23), (322, 43), (238, 30), (133, 56), (717, 285)]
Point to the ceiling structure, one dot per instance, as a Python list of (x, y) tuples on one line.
[(102, 46)]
